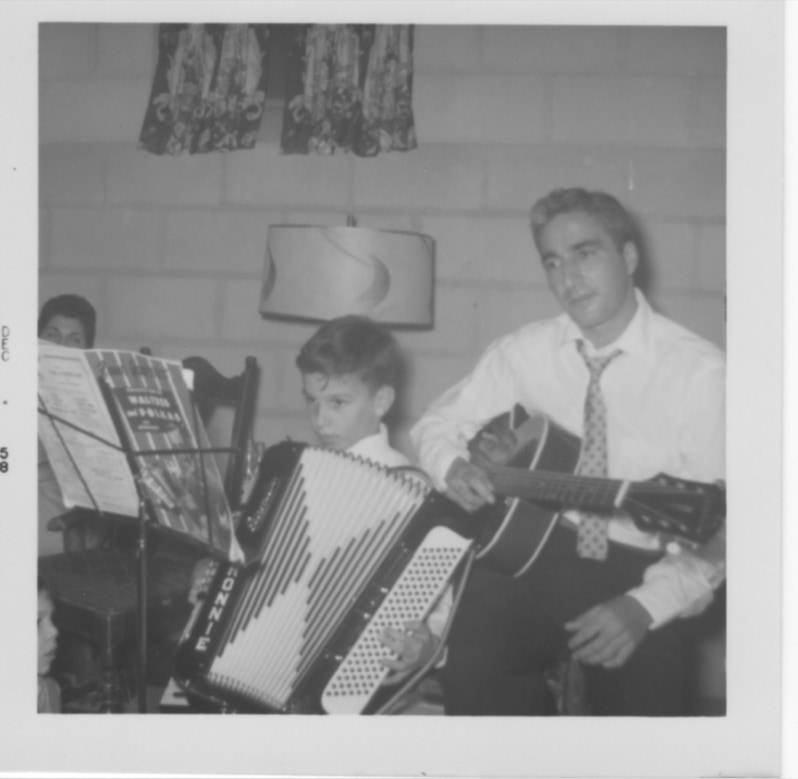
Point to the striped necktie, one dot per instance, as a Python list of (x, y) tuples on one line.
[(592, 534)]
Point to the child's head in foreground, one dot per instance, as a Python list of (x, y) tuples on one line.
[(47, 631), (349, 372)]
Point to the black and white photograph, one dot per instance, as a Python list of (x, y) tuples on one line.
[(394, 363)]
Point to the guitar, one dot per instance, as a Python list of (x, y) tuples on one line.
[(531, 462)]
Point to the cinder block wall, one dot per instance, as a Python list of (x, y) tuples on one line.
[(171, 249)]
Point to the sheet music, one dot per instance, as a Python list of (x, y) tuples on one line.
[(68, 390), (184, 489)]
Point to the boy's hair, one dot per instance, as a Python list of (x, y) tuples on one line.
[(352, 345), (603, 207), (73, 307)]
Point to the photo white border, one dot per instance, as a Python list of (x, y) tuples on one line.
[(745, 742)]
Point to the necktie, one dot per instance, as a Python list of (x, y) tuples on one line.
[(592, 534)]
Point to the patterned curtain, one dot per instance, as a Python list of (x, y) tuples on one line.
[(349, 87), (209, 88)]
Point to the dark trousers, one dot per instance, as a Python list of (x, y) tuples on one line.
[(508, 631)]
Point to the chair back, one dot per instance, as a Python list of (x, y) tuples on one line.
[(212, 389)]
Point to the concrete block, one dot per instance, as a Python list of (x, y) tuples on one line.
[(104, 111), (445, 48), (591, 109), (712, 266), (229, 361), (271, 428), (671, 254), (703, 314), (501, 311), (455, 325), (430, 176), (44, 229), (486, 249), (242, 322), (660, 110), (219, 240), (431, 375), (66, 50), (262, 176), (72, 174), (688, 183), (385, 221), (669, 50), (288, 379), (708, 112), (400, 439), (136, 176), (129, 50), (551, 49), (105, 238), (474, 108), (158, 306), (301, 216), (517, 176)]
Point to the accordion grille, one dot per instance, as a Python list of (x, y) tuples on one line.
[(336, 522)]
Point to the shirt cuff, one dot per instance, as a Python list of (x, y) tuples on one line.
[(665, 607)]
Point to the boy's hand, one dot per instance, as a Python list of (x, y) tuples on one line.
[(200, 580), (414, 646)]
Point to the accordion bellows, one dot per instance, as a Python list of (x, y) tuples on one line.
[(337, 548)]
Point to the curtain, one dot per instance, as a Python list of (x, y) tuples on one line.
[(209, 88), (349, 87)]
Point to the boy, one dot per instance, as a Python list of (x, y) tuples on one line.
[(349, 370)]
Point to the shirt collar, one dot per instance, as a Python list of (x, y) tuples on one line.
[(371, 445), (635, 339)]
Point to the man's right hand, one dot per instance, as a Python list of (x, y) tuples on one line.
[(468, 485)]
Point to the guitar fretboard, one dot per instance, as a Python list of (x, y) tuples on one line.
[(562, 489)]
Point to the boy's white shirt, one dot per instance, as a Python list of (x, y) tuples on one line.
[(378, 448)]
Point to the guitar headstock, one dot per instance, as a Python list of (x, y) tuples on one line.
[(680, 508)]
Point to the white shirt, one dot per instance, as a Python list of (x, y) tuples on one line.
[(377, 448), (665, 401)]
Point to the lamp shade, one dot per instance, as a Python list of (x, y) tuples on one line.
[(319, 273)]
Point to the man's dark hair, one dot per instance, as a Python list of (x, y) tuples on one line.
[(603, 207), (352, 345), (74, 307)]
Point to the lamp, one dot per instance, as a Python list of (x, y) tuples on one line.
[(318, 273)]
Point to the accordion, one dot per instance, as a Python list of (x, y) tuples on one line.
[(337, 548)]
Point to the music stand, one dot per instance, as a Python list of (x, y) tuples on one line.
[(146, 510)]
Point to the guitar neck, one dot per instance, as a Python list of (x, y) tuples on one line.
[(562, 489)]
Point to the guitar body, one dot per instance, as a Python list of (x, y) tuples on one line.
[(531, 463), (520, 528)]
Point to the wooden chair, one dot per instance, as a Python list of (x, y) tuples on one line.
[(95, 590)]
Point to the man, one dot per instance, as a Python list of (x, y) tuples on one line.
[(619, 608)]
